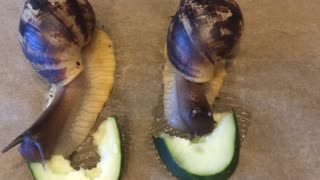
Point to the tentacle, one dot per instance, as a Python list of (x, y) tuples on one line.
[(32, 132), (15, 142)]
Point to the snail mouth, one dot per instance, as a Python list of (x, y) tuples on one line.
[(199, 122), (31, 150)]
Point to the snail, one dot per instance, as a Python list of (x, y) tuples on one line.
[(53, 34), (202, 35)]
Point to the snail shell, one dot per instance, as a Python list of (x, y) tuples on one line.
[(52, 35), (202, 33)]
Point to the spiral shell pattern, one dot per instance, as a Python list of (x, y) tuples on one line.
[(201, 33), (52, 35)]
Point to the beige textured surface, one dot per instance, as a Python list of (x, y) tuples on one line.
[(276, 76)]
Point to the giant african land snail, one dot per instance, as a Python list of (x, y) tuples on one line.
[(52, 36), (202, 33)]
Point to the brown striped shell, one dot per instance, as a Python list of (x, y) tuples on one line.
[(201, 33), (52, 35)]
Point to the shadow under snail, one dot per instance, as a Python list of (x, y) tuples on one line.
[(53, 34), (201, 36)]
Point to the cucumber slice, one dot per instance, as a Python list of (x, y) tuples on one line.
[(107, 139), (213, 156)]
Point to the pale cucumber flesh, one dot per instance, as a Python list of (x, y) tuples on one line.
[(204, 156), (107, 139)]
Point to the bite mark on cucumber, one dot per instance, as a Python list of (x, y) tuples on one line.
[(107, 139), (213, 156)]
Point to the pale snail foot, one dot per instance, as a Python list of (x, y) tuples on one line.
[(97, 80)]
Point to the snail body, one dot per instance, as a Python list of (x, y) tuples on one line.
[(53, 34), (201, 35)]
